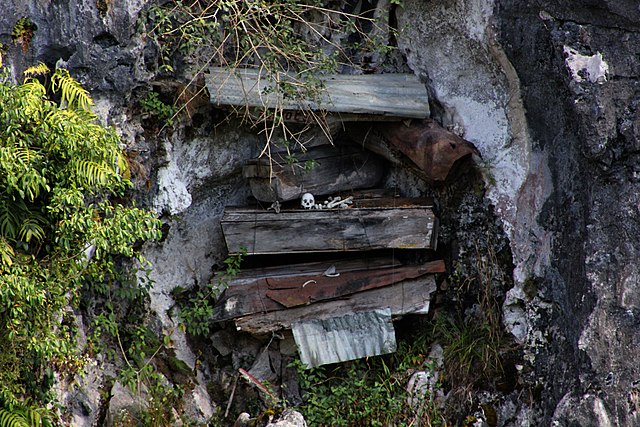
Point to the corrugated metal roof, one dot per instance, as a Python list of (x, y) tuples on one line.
[(348, 337)]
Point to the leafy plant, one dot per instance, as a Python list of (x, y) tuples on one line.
[(153, 105), (61, 227), (197, 313), (23, 32), (24, 416), (369, 392)]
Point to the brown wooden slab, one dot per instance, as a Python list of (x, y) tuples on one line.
[(405, 297), (352, 229), (246, 292), (293, 291)]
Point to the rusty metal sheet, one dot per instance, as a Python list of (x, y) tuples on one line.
[(295, 291), (431, 147), (343, 338)]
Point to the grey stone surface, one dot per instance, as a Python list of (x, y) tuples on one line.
[(586, 132)]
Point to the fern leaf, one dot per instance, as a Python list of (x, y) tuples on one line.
[(9, 222), (92, 173), (6, 253), (12, 419), (36, 70), (71, 91), (31, 230)]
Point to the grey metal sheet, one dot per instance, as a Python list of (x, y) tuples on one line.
[(343, 338)]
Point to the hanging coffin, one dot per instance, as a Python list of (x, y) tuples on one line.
[(392, 223), (382, 95), (320, 170), (269, 299)]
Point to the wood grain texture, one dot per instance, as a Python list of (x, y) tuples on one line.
[(246, 292), (398, 95), (405, 297), (294, 291), (353, 229)]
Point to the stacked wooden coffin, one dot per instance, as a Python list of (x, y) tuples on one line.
[(348, 283), (341, 300)]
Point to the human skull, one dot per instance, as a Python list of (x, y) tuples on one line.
[(307, 201)]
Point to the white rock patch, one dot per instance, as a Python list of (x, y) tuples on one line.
[(593, 67)]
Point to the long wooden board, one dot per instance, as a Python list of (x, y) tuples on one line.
[(398, 95), (409, 296), (352, 229), (246, 293)]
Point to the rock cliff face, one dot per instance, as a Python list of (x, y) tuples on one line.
[(548, 91), (583, 120)]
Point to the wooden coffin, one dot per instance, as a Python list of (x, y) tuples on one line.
[(320, 170), (390, 223), (409, 296), (398, 95), (295, 288)]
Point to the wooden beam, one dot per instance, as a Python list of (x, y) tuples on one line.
[(294, 291), (397, 95), (246, 292)]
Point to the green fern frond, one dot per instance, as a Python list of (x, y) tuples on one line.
[(72, 92), (23, 155), (31, 230), (6, 254), (9, 222), (12, 419), (25, 417), (92, 174), (37, 70)]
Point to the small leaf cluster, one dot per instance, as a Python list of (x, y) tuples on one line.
[(161, 111), (23, 32), (197, 312), (64, 224)]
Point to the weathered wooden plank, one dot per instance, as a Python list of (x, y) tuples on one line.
[(405, 297), (310, 268), (399, 95), (354, 229), (335, 169), (294, 291), (246, 292)]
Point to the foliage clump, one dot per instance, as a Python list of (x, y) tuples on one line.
[(64, 224), (371, 392), (291, 42), (23, 32)]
